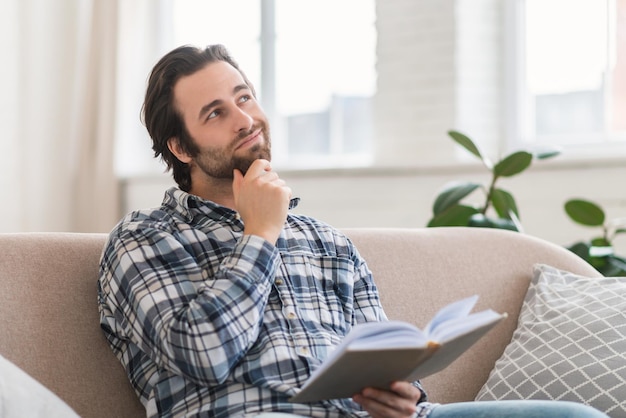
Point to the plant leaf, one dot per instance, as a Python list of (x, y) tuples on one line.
[(609, 266), (581, 249), (452, 194), (482, 221), (504, 203), (546, 153), (584, 212), (469, 145), (605, 251), (601, 264), (513, 164), (479, 220), (600, 242), (515, 219), (457, 215), (618, 264), (505, 224)]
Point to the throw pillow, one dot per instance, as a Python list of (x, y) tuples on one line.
[(570, 343)]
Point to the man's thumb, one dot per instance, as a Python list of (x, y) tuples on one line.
[(237, 179)]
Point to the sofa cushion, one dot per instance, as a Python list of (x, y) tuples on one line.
[(569, 343), (22, 396)]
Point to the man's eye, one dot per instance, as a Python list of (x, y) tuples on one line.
[(213, 114), (244, 98)]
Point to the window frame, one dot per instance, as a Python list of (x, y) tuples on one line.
[(336, 157), (518, 131)]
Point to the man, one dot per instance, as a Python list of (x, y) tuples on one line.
[(221, 303)]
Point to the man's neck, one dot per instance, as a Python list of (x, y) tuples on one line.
[(219, 191)]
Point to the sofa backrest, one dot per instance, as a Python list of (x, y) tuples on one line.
[(49, 320)]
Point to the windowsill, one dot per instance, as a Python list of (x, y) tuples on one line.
[(566, 161), (572, 159)]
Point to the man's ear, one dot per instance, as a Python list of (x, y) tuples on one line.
[(174, 146)]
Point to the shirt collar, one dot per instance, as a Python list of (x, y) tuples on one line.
[(188, 205)]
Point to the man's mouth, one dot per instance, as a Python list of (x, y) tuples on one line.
[(250, 139)]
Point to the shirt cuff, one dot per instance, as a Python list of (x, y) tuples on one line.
[(255, 258)]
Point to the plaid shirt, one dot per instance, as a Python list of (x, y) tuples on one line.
[(209, 322)]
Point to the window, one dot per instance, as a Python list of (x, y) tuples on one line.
[(312, 63), (571, 73), (203, 22)]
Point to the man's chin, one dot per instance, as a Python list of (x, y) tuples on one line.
[(244, 163)]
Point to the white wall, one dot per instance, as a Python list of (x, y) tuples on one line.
[(440, 67), (404, 197)]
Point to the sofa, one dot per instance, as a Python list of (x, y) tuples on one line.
[(50, 328)]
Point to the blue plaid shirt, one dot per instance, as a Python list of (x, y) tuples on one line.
[(209, 322)]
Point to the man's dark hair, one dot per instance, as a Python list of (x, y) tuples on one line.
[(160, 116)]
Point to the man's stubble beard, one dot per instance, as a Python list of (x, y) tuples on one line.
[(220, 162)]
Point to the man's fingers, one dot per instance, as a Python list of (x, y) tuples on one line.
[(404, 389), (400, 401), (237, 179), (258, 167)]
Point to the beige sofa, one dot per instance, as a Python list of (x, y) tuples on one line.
[(49, 319)]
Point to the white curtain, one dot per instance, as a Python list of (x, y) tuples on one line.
[(64, 65), (94, 190), (59, 74)]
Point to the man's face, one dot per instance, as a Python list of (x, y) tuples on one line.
[(223, 119)]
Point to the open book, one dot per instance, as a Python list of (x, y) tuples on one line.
[(374, 354)]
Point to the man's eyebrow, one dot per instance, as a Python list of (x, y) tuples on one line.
[(207, 107)]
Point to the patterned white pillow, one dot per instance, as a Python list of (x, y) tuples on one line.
[(570, 343)]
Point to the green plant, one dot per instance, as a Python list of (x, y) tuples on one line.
[(598, 251), (449, 210)]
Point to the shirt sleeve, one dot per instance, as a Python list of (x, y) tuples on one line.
[(160, 298), (423, 395)]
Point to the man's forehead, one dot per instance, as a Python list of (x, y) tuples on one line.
[(213, 74), (214, 81)]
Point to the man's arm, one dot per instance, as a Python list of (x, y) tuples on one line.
[(158, 296), (195, 325)]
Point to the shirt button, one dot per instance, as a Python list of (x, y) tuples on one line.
[(303, 350), (279, 281), (291, 315)]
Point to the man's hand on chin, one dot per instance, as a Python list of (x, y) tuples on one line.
[(262, 200)]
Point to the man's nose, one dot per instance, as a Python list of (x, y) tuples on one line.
[(243, 121)]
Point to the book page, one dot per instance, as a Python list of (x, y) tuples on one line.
[(458, 309), (456, 327), (386, 334), (452, 349)]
